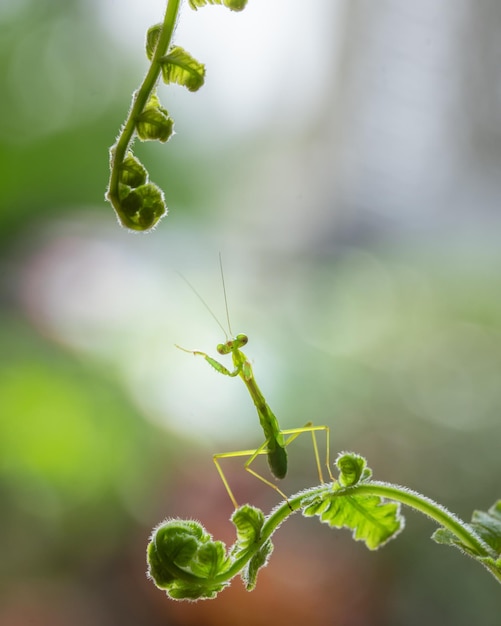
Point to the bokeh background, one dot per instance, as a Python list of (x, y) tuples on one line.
[(344, 157)]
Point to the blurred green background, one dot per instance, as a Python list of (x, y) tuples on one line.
[(345, 161)]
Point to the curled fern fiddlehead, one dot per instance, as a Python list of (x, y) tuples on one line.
[(187, 563), (139, 203)]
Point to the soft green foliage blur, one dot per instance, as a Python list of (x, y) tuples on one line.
[(386, 327)]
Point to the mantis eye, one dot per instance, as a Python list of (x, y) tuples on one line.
[(242, 339), (224, 348)]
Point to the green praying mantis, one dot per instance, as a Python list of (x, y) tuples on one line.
[(276, 439)]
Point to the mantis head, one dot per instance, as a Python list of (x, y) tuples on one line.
[(233, 344)]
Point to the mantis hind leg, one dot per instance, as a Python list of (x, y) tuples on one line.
[(290, 435), (293, 433), (252, 454)]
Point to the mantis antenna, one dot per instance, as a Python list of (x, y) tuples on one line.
[(224, 293), (213, 315)]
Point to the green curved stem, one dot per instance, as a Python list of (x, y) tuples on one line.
[(370, 509), (139, 100), (396, 493), (430, 508)]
